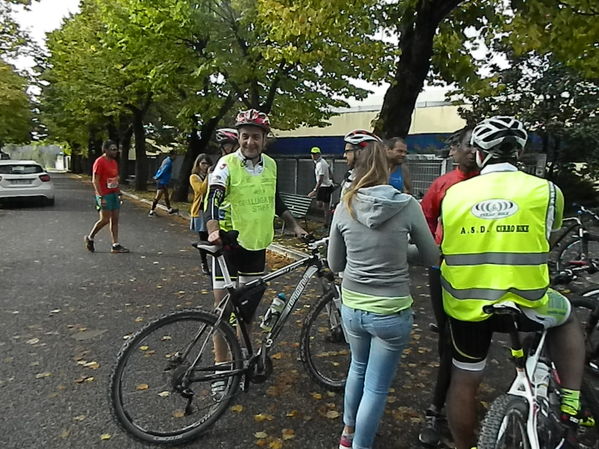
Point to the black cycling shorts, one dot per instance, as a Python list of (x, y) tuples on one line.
[(242, 263), (471, 339)]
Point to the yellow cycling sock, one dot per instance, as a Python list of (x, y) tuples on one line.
[(570, 401)]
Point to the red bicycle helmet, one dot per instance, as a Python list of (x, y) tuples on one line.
[(361, 137), (252, 117), (227, 135)]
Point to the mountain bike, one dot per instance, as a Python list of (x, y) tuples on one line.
[(161, 385), (582, 247), (527, 417)]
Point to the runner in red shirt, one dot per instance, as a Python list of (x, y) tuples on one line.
[(464, 155), (105, 178)]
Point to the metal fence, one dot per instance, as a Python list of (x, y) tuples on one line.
[(296, 175)]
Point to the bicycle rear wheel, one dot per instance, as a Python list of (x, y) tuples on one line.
[(155, 395), (504, 426), (323, 348)]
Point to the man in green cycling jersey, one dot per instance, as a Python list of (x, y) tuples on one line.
[(246, 180), (495, 247)]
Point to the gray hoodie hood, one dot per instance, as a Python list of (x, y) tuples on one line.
[(373, 206)]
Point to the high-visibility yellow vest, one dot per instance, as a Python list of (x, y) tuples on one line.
[(496, 242), (251, 200)]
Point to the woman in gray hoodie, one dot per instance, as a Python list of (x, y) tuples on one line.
[(369, 243)]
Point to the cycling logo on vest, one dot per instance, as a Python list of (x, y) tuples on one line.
[(494, 209)]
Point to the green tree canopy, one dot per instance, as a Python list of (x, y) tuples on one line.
[(15, 107)]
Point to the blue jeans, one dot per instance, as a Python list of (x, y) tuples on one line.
[(376, 342)]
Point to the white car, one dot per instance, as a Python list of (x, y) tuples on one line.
[(21, 179)]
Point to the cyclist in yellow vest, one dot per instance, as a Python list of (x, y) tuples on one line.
[(246, 180), (495, 246)]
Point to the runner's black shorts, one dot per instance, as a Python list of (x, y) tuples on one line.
[(324, 194), (243, 265)]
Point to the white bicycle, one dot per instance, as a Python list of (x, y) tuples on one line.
[(527, 416)]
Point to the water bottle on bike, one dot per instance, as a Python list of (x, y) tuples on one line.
[(274, 311)]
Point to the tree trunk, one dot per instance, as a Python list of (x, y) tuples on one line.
[(141, 161), (195, 146), (94, 149), (416, 45), (125, 145)]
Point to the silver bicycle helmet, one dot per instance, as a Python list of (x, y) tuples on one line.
[(361, 137), (499, 134)]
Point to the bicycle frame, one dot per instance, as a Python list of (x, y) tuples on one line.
[(526, 384), (314, 266), (524, 387)]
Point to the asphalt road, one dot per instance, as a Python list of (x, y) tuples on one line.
[(64, 308)]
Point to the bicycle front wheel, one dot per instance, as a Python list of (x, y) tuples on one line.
[(323, 348), (504, 426), (161, 385)]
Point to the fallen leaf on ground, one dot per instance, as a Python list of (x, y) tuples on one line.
[(178, 414), (288, 434), (42, 375), (277, 356), (317, 396), (79, 417), (276, 444), (141, 387), (263, 417), (332, 414), (292, 413), (92, 365), (144, 348), (105, 436), (33, 341), (65, 433), (261, 435), (139, 319), (237, 408)]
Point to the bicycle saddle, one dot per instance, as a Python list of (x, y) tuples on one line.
[(502, 308)]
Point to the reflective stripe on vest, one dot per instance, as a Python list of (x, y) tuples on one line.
[(251, 201), (495, 242), (497, 259), (489, 294)]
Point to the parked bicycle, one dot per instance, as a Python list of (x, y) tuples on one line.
[(160, 387), (577, 247), (527, 417)]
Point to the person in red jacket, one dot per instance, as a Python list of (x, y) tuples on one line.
[(464, 156)]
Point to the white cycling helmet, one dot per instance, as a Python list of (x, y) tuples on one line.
[(492, 133), (361, 137), (227, 135)]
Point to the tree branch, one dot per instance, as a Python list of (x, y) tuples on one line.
[(282, 70)]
